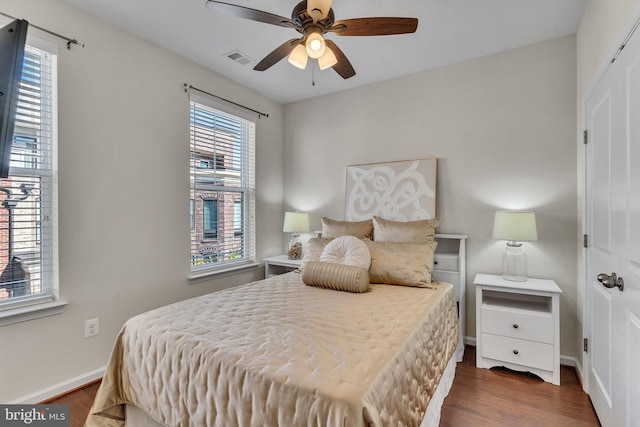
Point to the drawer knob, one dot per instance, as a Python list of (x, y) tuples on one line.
[(515, 351), (515, 326)]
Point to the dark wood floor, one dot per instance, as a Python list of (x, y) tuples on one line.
[(497, 397), (79, 401), (478, 398)]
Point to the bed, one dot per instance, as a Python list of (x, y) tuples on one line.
[(342, 359)]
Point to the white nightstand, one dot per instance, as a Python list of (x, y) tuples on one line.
[(518, 325), (450, 265), (280, 264)]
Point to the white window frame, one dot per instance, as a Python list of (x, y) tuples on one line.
[(48, 302), (247, 190)]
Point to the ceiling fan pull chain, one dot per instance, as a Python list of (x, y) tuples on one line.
[(313, 75)]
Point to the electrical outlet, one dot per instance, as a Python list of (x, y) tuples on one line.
[(91, 328)]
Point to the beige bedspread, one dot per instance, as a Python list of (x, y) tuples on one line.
[(280, 353)]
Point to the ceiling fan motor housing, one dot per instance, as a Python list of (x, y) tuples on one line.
[(302, 17)]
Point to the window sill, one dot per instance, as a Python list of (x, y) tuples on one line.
[(31, 312), (198, 276)]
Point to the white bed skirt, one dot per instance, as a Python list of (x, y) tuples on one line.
[(136, 418)]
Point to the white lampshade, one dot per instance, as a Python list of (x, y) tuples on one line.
[(516, 226), (318, 9), (298, 57), (327, 60), (295, 222), (315, 45)]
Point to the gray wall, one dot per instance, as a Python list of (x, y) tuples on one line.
[(503, 129), (124, 193)]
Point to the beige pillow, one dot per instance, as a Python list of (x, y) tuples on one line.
[(340, 277), (347, 250), (385, 230), (313, 250), (407, 264), (360, 229)]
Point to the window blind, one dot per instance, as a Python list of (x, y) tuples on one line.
[(26, 196), (222, 186)]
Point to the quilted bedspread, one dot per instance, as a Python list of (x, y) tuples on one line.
[(279, 353)]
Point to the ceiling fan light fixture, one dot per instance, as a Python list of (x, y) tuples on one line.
[(318, 9), (315, 45), (327, 60), (298, 57)]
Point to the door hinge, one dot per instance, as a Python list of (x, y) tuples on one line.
[(585, 345), (585, 136), (585, 241)]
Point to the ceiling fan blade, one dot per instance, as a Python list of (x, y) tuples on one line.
[(280, 52), (378, 26), (343, 66), (248, 13)]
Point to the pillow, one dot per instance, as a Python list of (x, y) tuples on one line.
[(406, 264), (385, 230), (332, 228), (313, 251), (340, 277), (347, 250)]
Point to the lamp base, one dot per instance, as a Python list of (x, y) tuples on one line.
[(514, 278), (295, 247), (514, 263)]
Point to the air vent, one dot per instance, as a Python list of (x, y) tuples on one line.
[(239, 57)]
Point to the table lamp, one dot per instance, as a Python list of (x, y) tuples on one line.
[(295, 223), (515, 226)]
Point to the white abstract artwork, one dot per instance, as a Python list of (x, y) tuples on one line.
[(399, 191)]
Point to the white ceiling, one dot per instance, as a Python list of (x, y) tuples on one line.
[(448, 31)]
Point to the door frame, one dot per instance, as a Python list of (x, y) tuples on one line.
[(631, 26)]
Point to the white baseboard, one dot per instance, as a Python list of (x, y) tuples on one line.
[(568, 361), (59, 388), (470, 341), (580, 373)]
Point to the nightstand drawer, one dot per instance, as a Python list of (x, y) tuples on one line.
[(446, 262), (520, 352), (532, 326)]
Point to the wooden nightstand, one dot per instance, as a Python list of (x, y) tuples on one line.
[(280, 264), (518, 325)]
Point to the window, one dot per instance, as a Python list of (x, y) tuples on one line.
[(192, 209), (210, 221), (27, 241), (237, 218), (222, 187)]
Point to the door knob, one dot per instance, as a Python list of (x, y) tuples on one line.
[(611, 281)]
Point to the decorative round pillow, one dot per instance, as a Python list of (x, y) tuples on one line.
[(347, 250)]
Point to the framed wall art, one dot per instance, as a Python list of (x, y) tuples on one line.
[(399, 191)]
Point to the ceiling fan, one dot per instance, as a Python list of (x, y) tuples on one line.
[(313, 19)]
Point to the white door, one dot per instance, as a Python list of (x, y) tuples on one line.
[(613, 223)]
